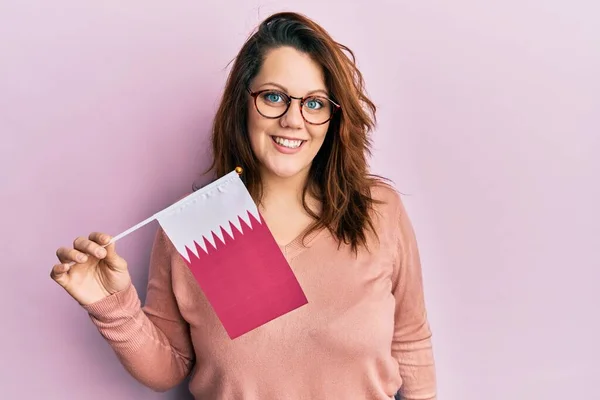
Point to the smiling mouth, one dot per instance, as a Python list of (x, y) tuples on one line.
[(288, 143)]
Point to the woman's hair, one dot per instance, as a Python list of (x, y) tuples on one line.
[(338, 177)]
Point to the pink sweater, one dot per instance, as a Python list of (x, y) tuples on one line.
[(363, 334)]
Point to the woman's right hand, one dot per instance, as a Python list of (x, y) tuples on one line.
[(91, 270)]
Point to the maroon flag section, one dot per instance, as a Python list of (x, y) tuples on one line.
[(231, 252)]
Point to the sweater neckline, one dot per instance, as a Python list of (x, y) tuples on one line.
[(300, 243)]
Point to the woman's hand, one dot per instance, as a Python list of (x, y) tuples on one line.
[(91, 270)]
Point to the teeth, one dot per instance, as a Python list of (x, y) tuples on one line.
[(292, 144)]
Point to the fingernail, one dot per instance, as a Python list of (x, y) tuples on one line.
[(101, 252), (81, 257)]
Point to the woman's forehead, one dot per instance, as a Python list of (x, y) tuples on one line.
[(295, 72)]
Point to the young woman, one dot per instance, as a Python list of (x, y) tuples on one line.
[(295, 116)]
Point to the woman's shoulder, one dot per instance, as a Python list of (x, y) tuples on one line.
[(386, 198), (389, 212)]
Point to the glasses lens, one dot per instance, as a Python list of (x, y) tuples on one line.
[(317, 110), (272, 104)]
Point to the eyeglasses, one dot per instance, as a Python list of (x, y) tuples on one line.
[(316, 110)]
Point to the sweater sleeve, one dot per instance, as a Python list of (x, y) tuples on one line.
[(152, 342), (411, 344)]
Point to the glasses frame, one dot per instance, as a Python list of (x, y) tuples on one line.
[(255, 95)]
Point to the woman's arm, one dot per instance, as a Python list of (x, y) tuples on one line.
[(411, 344), (152, 342)]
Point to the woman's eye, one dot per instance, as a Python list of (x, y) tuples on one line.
[(314, 104), (273, 97)]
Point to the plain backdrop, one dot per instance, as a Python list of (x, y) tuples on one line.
[(488, 123)]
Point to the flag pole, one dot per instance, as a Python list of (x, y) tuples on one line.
[(239, 170)]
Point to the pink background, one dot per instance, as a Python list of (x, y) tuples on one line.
[(489, 121)]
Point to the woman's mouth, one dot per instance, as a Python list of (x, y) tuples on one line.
[(288, 143)]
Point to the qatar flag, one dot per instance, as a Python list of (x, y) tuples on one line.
[(231, 252)]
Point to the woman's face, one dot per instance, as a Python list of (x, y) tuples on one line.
[(286, 146)]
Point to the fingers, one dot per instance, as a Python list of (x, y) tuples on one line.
[(84, 248), (96, 246), (110, 256), (60, 274), (67, 255), (101, 238), (89, 246)]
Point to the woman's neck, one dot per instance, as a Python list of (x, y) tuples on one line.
[(286, 193), (282, 207), (278, 190)]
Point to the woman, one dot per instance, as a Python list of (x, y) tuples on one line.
[(295, 116)]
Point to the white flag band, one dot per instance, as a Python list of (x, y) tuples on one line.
[(206, 212)]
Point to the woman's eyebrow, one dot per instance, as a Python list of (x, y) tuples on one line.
[(283, 88)]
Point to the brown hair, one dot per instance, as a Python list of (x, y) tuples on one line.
[(338, 177)]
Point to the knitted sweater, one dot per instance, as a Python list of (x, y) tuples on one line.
[(363, 334)]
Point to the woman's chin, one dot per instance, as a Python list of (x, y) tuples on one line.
[(285, 170)]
